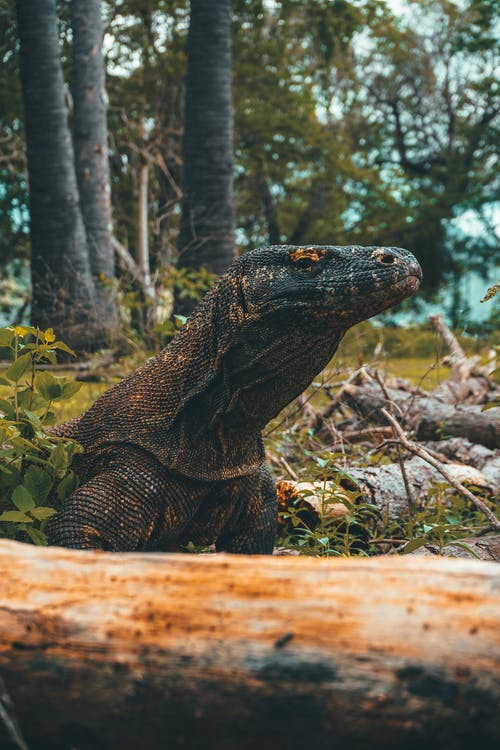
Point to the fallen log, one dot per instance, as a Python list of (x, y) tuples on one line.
[(463, 451), (429, 417), (102, 651)]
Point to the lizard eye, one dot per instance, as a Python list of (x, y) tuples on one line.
[(304, 258), (304, 264)]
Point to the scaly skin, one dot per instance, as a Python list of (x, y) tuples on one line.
[(173, 453)]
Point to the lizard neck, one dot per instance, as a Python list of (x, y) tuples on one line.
[(199, 406), (257, 368)]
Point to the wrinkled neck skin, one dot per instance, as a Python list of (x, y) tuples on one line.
[(258, 365)]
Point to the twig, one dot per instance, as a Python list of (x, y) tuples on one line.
[(457, 354), (288, 468), (426, 456)]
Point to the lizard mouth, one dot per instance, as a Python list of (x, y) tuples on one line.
[(409, 285)]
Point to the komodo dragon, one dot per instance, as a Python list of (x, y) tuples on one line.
[(174, 453)]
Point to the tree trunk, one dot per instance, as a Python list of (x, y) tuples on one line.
[(143, 225), (63, 290), (90, 134), (207, 225), (101, 650)]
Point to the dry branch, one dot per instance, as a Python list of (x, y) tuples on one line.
[(419, 451), (102, 651), (468, 383)]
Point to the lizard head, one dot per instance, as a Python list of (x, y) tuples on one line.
[(328, 283)]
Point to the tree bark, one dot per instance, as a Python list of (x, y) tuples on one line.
[(207, 224), (102, 650), (63, 290), (90, 140)]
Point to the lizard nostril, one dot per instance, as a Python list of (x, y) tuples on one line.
[(386, 258)]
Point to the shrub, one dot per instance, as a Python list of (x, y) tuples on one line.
[(35, 467)]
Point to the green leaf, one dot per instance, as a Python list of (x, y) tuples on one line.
[(37, 537), (69, 389), (18, 368), (15, 516), (7, 408), (48, 386), (59, 459), (4, 381), (63, 347), (466, 547), (49, 419), (10, 480), (23, 396), (38, 482), (6, 336), (495, 404), (22, 499), (67, 486), (31, 417), (43, 512), (414, 544)]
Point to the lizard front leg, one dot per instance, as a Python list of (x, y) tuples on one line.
[(121, 505), (252, 529)]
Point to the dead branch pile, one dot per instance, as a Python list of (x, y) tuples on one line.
[(444, 436)]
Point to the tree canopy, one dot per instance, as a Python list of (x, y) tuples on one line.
[(354, 123)]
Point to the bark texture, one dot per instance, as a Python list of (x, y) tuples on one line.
[(132, 650), (207, 224), (90, 140), (63, 290)]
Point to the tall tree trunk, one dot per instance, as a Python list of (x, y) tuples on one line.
[(63, 289), (90, 140), (143, 234), (207, 224)]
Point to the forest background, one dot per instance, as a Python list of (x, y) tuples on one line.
[(363, 122)]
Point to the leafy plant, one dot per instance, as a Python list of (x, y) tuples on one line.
[(322, 533), (35, 471)]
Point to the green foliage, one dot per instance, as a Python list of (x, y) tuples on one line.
[(191, 283), (35, 473), (320, 532), (353, 123), (442, 519)]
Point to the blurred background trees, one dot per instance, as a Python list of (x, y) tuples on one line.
[(357, 121)]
